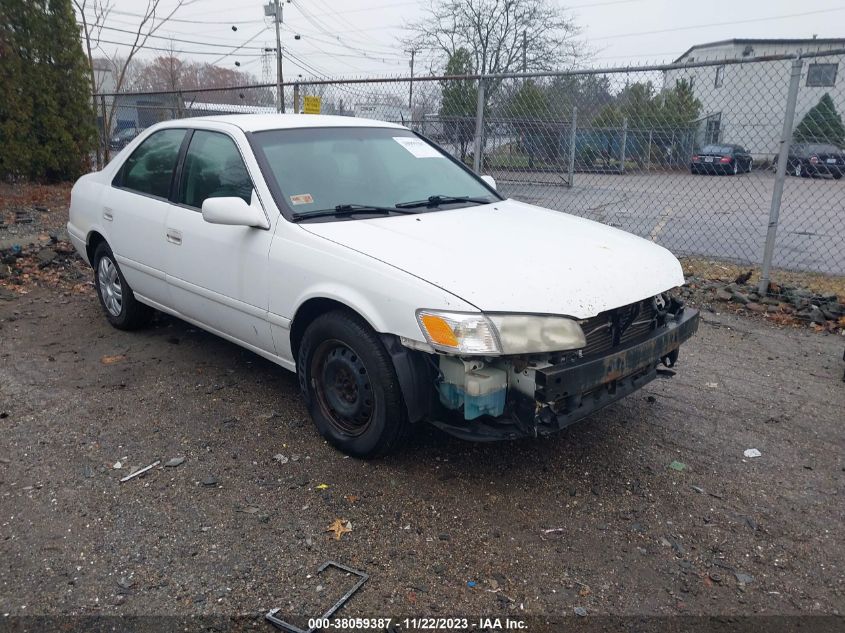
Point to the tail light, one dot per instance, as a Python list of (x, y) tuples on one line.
[(696, 158), (725, 159), (814, 159)]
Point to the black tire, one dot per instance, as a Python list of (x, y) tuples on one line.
[(132, 313), (341, 361), (837, 175)]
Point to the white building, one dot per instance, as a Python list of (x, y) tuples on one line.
[(745, 103)]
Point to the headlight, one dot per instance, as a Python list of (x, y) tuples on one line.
[(495, 334)]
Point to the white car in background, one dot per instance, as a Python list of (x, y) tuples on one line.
[(400, 286)]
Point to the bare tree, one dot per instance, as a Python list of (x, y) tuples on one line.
[(502, 36), (93, 21), (151, 19)]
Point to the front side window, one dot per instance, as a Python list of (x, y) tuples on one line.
[(318, 169), (149, 169), (821, 75), (213, 169)]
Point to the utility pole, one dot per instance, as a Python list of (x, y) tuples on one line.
[(277, 18), (413, 52), (274, 9)]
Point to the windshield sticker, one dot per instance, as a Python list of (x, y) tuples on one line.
[(418, 147), (302, 198)]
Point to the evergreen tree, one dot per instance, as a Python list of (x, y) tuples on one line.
[(458, 102), (46, 120), (821, 124)]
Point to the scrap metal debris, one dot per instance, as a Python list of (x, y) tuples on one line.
[(290, 628), (141, 471)]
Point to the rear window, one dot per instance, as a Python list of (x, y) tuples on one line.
[(823, 149), (717, 149)]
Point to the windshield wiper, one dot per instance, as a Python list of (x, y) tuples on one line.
[(345, 210), (435, 201)]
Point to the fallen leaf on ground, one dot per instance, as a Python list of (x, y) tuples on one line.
[(351, 498), (339, 527), (111, 360), (321, 487)]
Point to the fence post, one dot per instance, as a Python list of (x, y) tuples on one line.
[(106, 130), (622, 145), (780, 174), (296, 98), (572, 140), (648, 152), (479, 128)]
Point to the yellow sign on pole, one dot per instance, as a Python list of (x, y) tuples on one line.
[(311, 105)]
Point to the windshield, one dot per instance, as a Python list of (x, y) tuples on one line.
[(717, 149), (319, 169)]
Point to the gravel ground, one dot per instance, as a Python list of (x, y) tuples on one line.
[(595, 518)]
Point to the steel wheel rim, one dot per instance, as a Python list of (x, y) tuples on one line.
[(342, 387), (111, 290)]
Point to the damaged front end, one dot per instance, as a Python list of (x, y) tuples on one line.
[(528, 395)]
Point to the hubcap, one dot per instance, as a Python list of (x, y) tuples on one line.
[(110, 289), (342, 387)]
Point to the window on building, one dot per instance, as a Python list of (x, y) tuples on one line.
[(711, 133), (821, 75), (720, 76)]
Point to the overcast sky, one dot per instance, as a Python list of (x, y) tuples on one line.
[(362, 37)]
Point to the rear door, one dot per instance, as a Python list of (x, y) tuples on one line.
[(218, 275), (135, 210)]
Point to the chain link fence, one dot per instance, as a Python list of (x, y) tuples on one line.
[(733, 165)]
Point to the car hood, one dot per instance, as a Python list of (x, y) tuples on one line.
[(514, 257)]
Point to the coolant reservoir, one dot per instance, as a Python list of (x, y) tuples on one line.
[(479, 390)]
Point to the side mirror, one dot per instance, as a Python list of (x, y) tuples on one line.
[(489, 180), (233, 212)]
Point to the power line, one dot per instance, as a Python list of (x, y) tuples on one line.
[(731, 23), (182, 41)]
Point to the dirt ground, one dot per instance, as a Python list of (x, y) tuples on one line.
[(598, 519), (445, 527)]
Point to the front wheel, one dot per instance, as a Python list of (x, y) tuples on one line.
[(122, 309), (799, 171), (350, 386)]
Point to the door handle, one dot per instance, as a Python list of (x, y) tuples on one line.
[(107, 214), (174, 236)]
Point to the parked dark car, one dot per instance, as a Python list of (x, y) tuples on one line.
[(816, 159), (721, 159), (123, 137)]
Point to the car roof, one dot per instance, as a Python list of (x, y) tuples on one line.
[(259, 122)]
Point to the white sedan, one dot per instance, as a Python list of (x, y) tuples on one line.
[(400, 286)]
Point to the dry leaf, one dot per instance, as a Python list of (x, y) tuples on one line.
[(339, 527), (351, 498), (321, 487), (111, 360)]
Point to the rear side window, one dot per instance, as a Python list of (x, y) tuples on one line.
[(213, 169), (149, 169)]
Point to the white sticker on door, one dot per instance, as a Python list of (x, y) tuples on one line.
[(418, 147)]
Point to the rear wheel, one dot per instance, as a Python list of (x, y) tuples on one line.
[(116, 297), (735, 168), (350, 386), (799, 171)]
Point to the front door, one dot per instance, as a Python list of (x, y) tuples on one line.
[(218, 275)]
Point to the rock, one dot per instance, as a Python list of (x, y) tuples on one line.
[(173, 463), (697, 489), (772, 309), (743, 579), (211, 480), (581, 612), (715, 577), (756, 307), (770, 301), (281, 458), (723, 295), (45, 257), (816, 315), (739, 297), (124, 583), (444, 537)]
